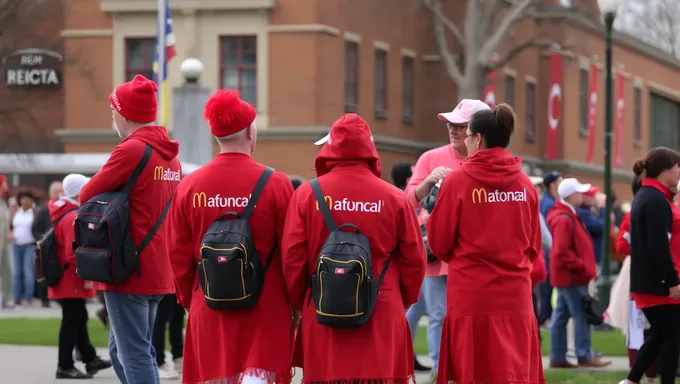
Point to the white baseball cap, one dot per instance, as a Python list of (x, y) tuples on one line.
[(571, 185), (463, 111), (73, 184), (536, 180), (325, 139)]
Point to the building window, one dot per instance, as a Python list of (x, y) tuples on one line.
[(380, 83), (139, 55), (584, 104), (530, 112), (351, 76), (510, 90), (238, 65), (407, 89), (637, 116), (664, 119)]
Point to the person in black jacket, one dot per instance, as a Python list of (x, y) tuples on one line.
[(41, 224), (655, 260)]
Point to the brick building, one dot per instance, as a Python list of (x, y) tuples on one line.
[(305, 62)]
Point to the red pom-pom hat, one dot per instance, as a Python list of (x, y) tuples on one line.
[(227, 113)]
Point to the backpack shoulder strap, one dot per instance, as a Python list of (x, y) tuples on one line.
[(62, 216), (138, 169), (259, 187), (323, 207), (149, 236)]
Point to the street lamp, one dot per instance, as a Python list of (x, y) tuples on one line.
[(608, 9)]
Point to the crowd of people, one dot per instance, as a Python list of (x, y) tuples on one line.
[(332, 275)]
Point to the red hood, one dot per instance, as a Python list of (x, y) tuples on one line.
[(350, 142), (559, 209), (59, 207), (157, 137), (495, 167)]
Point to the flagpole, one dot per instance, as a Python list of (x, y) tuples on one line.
[(162, 21)]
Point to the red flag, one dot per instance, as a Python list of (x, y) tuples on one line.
[(619, 118), (554, 106), (489, 94), (592, 113)]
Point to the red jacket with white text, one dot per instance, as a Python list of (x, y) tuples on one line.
[(71, 286), (147, 201), (572, 256), (486, 226), (221, 345), (348, 169)]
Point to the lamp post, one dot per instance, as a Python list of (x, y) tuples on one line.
[(608, 9)]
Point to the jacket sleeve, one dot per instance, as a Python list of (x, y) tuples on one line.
[(546, 237), (594, 223), (536, 236), (295, 248), (442, 226), (412, 257), (563, 248), (115, 172), (68, 236), (182, 251), (538, 272), (658, 221), (420, 171), (623, 237)]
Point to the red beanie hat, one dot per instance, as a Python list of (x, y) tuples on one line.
[(227, 113), (136, 100)]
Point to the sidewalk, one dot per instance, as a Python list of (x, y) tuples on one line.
[(36, 311)]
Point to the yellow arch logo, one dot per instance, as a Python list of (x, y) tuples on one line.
[(329, 202), (478, 194), (158, 173), (199, 200)]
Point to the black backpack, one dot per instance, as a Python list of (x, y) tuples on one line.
[(103, 246), (343, 287), (48, 269), (230, 271)]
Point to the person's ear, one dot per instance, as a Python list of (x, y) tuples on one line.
[(479, 140)]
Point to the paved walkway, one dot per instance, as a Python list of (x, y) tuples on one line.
[(24, 364)]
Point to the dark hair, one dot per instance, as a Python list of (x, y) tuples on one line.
[(400, 173), (495, 125), (296, 182), (25, 193), (657, 160), (636, 184)]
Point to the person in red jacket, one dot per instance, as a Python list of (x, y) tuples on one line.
[(485, 225), (380, 351), (253, 344), (71, 291), (572, 267), (132, 304)]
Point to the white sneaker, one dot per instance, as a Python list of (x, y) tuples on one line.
[(165, 371), (178, 363), (624, 381)]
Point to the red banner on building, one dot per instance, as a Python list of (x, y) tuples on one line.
[(554, 107), (620, 93), (489, 94), (592, 113)]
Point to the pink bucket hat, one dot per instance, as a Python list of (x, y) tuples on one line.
[(463, 112)]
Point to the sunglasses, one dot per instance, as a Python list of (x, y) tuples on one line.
[(456, 127)]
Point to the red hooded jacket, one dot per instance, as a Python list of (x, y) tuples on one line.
[(348, 169), (623, 238), (221, 345), (486, 226), (70, 286), (147, 201), (572, 256)]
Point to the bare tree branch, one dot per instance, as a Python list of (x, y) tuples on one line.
[(513, 52), (514, 14), (447, 57), (434, 6), (656, 22)]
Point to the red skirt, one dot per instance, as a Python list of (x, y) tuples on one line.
[(490, 349)]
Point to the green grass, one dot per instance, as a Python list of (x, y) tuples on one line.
[(609, 343)]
